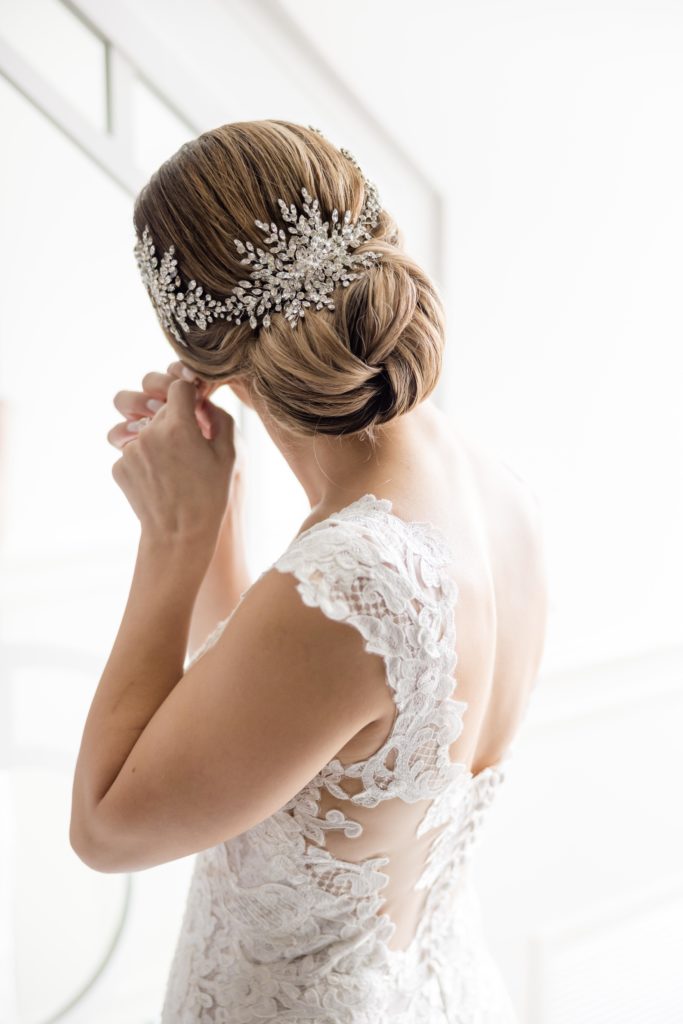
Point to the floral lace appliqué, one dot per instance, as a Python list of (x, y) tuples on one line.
[(277, 926)]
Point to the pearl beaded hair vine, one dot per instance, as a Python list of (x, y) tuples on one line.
[(294, 275)]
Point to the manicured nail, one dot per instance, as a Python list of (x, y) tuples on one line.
[(154, 404), (189, 374), (133, 426)]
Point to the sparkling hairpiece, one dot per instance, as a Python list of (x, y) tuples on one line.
[(296, 273)]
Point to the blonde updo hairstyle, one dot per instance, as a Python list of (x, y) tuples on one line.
[(377, 355)]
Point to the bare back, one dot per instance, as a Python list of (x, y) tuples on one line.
[(490, 519), (362, 876)]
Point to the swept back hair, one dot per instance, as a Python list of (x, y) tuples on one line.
[(375, 356)]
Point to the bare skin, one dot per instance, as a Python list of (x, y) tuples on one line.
[(431, 472), (145, 792)]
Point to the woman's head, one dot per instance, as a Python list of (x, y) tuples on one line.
[(377, 355)]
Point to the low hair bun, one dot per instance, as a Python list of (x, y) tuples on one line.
[(375, 357), (346, 370)]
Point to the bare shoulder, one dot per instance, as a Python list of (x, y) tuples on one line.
[(497, 477), (488, 469), (306, 646), (513, 513)]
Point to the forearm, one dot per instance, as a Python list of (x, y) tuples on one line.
[(226, 579), (146, 662)]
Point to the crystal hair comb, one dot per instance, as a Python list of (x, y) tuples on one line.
[(295, 274)]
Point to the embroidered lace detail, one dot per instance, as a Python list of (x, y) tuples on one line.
[(404, 608), (298, 918)]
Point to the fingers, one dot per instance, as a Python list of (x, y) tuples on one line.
[(119, 435), (154, 386), (182, 399), (177, 369), (205, 388), (157, 384), (181, 372), (222, 431), (134, 403)]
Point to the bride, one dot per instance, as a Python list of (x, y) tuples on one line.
[(331, 748)]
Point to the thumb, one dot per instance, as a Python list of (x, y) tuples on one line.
[(181, 401)]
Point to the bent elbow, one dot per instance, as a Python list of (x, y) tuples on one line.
[(97, 856)]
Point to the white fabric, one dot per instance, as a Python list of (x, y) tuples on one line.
[(353, 904)]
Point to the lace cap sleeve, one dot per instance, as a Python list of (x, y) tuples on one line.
[(391, 591), (343, 569)]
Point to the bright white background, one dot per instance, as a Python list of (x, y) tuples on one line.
[(533, 153)]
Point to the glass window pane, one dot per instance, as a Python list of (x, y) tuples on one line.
[(66, 342), (62, 50), (157, 131), (75, 327)]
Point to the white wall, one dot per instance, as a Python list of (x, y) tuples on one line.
[(551, 128)]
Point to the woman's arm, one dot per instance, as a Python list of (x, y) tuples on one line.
[(179, 486), (228, 574), (145, 664)]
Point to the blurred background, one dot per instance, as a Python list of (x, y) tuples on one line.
[(532, 153)]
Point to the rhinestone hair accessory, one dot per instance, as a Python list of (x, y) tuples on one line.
[(300, 269)]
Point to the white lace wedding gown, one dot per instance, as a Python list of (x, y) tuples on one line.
[(353, 904)]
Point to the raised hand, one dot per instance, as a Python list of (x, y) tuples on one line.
[(134, 404)]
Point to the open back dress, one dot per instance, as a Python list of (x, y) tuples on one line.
[(353, 903)]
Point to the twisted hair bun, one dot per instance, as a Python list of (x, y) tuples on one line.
[(377, 355)]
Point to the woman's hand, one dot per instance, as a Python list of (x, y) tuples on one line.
[(134, 404), (176, 477)]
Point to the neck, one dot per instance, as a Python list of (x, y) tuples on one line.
[(334, 470)]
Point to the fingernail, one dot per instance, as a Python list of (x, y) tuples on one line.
[(154, 404), (133, 426), (189, 374)]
